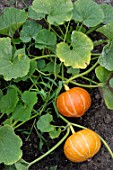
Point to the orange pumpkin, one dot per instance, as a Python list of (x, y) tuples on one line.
[(82, 145), (73, 102)]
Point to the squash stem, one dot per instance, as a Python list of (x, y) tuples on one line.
[(51, 150), (82, 74), (106, 145), (72, 129), (40, 57), (66, 87)]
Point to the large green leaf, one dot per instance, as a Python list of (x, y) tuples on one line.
[(106, 57), (23, 110), (33, 66), (107, 30), (88, 12), (102, 74), (108, 13), (57, 11), (79, 55), (29, 30), (10, 144), (8, 102), (12, 65), (45, 39), (11, 20), (34, 15)]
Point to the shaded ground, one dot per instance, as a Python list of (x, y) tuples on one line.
[(98, 118)]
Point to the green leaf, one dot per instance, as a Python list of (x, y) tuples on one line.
[(108, 97), (57, 11), (108, 13), (55, 133), (41, 64), (9, 101), (111, 82), (29, 30), (12, 66), (45, 39), (80, 54), (11, 20), (33, 66), (52, 68), (22, 112), (107, 30), (43, 123), (34, 15), (29, 98), (73, 71), (88, 12), (21, 165), (10, 144), (102, 74), (106, 57)]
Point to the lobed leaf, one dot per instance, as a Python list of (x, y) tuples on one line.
[(43, 123), (102, 74), (12, 65), (108, 13), (34, 15), (88, 12), (107, 30), (33, 66), (55, 133), (106, 57), (79, 55), (23, 110), (57, 11), (45, 39), (29, 30), (11, 20), (8, 102), (10, 144)]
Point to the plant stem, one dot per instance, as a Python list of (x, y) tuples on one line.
[(66, 31), (85, 85), (61, 30), (88, 79), (72, 129), (51, 150), (57, 34), (81, 85), (70, 123), (82, 74), (106, 145), (99, 42), (95, 54), (44, 56)]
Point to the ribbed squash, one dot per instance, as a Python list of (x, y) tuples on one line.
[(82, 145), (73, 102)]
